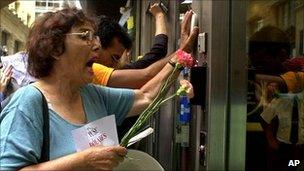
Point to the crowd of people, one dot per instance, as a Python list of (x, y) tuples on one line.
[(69, 56)]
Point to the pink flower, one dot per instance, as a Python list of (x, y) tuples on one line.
[(185, 59), (185, 89)]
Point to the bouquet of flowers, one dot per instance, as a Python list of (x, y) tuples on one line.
[(183, 60)]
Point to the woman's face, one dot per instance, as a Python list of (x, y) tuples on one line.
[(79, 55)]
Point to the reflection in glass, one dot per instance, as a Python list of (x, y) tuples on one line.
[(275, 84)]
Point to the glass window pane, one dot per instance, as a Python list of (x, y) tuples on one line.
[(275, 82)]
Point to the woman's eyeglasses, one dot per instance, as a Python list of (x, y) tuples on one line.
[(86, 35)]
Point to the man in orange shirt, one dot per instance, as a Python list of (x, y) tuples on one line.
[(116, 43)]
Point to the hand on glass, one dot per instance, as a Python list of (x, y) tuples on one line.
[(5, 77), (103, 158), (187, 39), (156, 10)]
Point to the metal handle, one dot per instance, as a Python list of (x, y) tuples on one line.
[(202, 148)]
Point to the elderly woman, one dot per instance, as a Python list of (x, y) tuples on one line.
[(62, 48)]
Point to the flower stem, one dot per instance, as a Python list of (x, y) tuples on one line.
[(164, 101), (151, 109)]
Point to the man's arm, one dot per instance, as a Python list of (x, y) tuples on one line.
[(127, 78), (136, 78), (160, 46)]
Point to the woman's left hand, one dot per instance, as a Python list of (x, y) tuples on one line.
[(188, 36)]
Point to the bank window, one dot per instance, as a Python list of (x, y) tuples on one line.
[(40, 3), (56, 5), (53, 4), (4, 38), (37, 14), (17, 46)]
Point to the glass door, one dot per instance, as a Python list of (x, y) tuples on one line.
[(275, 130)]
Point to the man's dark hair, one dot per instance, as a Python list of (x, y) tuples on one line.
[(109, 29)]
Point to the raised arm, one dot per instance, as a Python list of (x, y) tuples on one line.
[(160, 46), (136, 78), (160, 19)]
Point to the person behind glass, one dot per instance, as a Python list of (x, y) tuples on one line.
[(268, 48), (282, 119), (62, 48)]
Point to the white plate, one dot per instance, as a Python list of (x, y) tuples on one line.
[(138, 160)]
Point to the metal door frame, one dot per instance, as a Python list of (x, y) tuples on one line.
[(236, 146), (225, 23)]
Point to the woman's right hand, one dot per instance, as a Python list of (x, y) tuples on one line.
[(103, 158)]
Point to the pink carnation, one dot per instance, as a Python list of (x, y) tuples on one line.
[(185, 59)]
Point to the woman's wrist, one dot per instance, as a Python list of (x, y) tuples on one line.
[(173, 64)]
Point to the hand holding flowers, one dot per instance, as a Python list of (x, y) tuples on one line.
[(183, 60)]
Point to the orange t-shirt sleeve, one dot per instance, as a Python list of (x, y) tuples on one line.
[(102, 74), (291, 80)]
